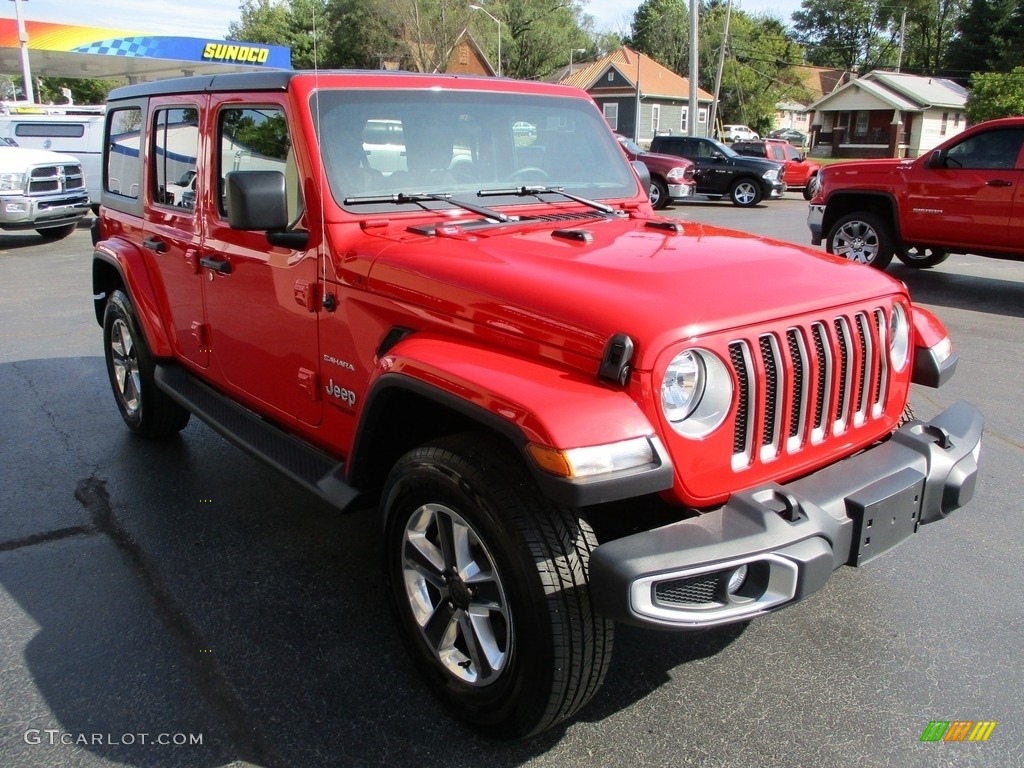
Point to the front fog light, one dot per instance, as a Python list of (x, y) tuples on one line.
[(736, 580)]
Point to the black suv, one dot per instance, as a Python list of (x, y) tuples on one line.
[(720, 171)]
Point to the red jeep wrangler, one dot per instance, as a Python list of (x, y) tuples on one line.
[(572, 412), (962, 197)]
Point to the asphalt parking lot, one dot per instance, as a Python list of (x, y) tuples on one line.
[(176, 604)]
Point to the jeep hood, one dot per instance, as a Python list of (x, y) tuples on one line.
[(559, 289)]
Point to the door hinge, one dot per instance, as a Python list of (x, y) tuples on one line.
[(305, 295), (199, 334), (309, 381)]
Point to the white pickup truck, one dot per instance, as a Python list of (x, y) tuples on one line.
[(41, 190)]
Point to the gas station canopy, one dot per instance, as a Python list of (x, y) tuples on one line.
[(64, 50)]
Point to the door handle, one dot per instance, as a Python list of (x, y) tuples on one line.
[(217, 265), (155, 244), (998, 183)]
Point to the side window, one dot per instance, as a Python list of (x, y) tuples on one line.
[(175, 147), (987, 151), (51, 130), (256, 139), (611, 114), (123, 172)]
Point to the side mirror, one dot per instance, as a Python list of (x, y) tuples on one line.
[(935, 160), (257, 200), (643, 173)]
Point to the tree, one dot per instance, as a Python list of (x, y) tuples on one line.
[(757, 72), (848, 34), (930, 29), (540, 34), (981, 32), (301, 25), (428, 29), (51, 90), (995, 94), (661, 31)]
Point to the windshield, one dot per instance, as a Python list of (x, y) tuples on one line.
[(410, 142), (631, 145), (725, 149)]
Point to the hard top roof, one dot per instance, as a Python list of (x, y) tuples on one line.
[(266, 80)]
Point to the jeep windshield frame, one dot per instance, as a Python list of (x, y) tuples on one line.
[(397, 150)]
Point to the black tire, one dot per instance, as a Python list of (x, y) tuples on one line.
[(57, 233), (862, 237), (922, 258), (145, 409), (811, 187), (746, 193), (658, 194), (536, 652)]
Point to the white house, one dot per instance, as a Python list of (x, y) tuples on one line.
[(888, 114)]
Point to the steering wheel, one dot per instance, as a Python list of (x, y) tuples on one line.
[(522, 175)]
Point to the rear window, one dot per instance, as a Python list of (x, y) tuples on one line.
[(52, 130)]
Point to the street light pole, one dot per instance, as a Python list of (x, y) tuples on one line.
[(496, 21), (26, 71)]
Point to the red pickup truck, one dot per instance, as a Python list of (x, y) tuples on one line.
[(965, 196)]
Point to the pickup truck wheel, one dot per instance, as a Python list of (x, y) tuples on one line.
[(658, 194), (861, 237), (489, 583), (811, 187), (745, 193), (145, 409), (922, 258), (57, 233)]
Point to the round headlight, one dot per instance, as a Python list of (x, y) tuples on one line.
[(899, 337), (696, 392), (683, 386)]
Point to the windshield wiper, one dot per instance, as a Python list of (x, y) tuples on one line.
[(424, 197), (541, 190)]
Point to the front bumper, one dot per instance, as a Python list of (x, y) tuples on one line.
[(815, 216), (23, 212), (783, 541), (679, 191), (773, 190)]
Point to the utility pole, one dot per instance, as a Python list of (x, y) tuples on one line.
[(903, 29), (694, 107), (713, 117)]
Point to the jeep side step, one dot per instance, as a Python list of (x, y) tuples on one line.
[(313, 469)]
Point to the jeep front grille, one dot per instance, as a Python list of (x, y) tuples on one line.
[(54, 179), (807, 383)]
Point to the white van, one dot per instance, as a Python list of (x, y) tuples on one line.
[(79, 135)]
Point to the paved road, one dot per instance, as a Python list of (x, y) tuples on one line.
[(179, 590)]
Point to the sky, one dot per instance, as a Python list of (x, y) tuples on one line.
[(210, 18)]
